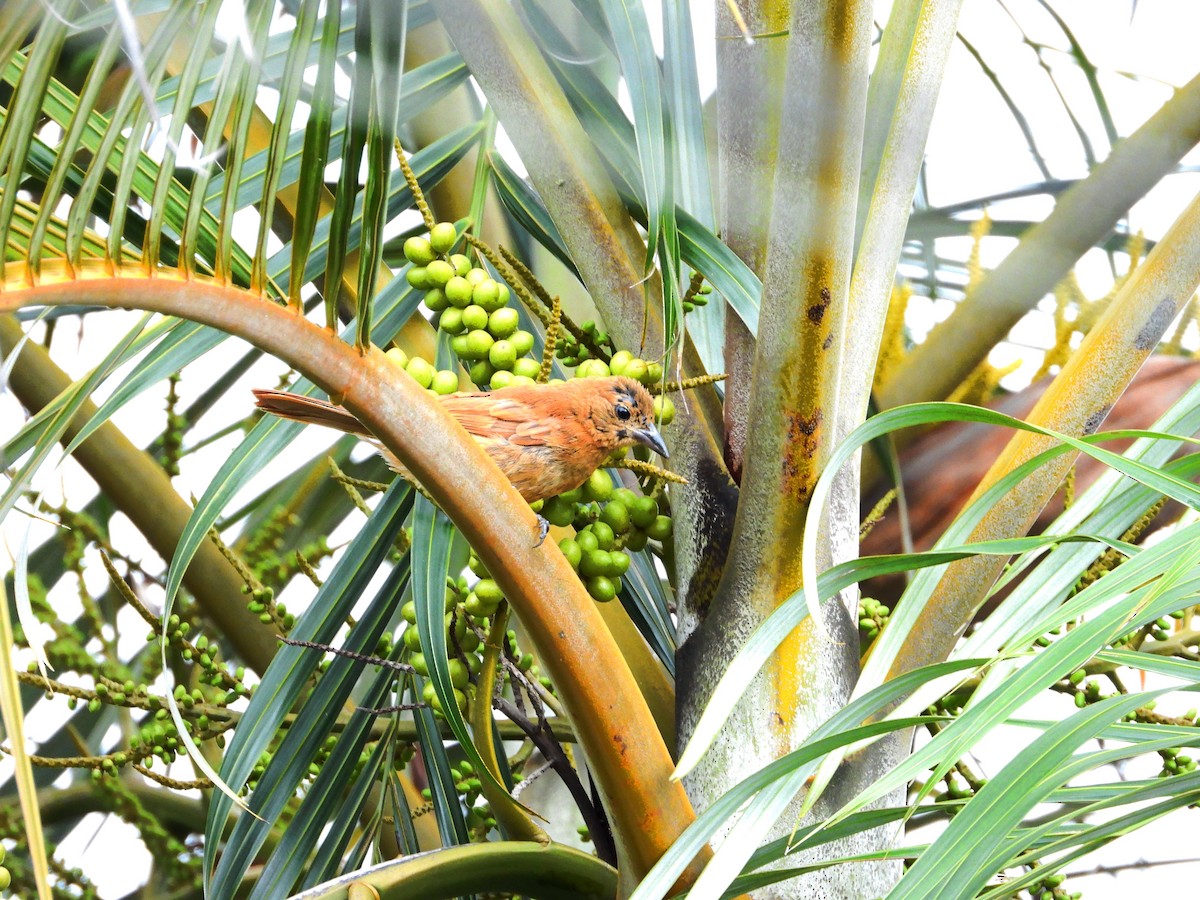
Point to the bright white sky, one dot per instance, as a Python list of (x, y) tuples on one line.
[(974, 150)]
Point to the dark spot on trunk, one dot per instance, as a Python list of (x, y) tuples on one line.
[(1152, 331), (803, 438), (713, 534), (1095, 420), (816, 312)]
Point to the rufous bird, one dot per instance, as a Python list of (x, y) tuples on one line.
[(546, 438)]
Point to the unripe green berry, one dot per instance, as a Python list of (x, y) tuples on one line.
[(637, 370), (461, 264), (592, 368), (475, 317), (489, 592), (620, 564), (478, 608), (598, 487), (502, 355), (595, 562), (482, 371), (486, 294), (558, 512), (477, 275), (619, 361), (503, 322), (396, 357), (522, 342), (459, 673), (587, 541), (458, 292), (643, 511), (451, 321), (570, 549), (661, 529), (664, 410), (502, 379), (444, 382), (601, 588), (604, 534), (523, 379), (438, 273), (435, 300), (479, 342), (442, 237), (418, 251), (527, 367), (409, 612), (635, 541), (412, 638), (422, 373), (417, 661), (418, 278), (458, 344), (616, 515), (626, 496)]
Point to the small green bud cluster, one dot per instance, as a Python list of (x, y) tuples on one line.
[(1089, 692), (171, 442), (575, 353), (156, 736), (1051, 888), (479, 816), (955, 790), (1175, 763), (268, 554), (872, 617), (700, 298)]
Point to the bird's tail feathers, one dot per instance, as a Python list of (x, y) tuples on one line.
[(307, 409)]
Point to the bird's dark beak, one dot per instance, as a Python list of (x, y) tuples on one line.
[(652, 439)]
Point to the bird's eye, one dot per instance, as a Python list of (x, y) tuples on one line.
[(622, 411)]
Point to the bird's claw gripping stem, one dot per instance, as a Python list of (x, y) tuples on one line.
[(543, 530)]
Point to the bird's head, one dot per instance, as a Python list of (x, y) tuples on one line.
[(623, 410)]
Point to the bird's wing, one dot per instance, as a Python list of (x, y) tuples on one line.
[(505, 420)]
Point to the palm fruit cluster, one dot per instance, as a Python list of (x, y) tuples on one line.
[(468, 607), (475, 310), (608, 520), (479, 818)]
